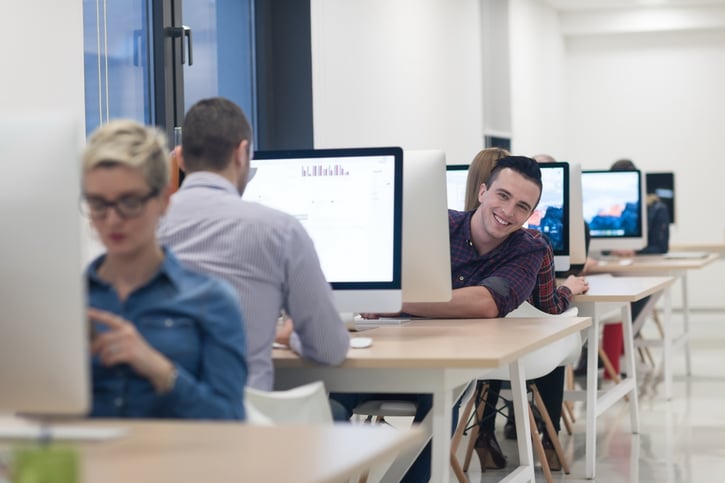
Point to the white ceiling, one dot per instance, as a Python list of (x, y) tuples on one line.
[(579, 5)]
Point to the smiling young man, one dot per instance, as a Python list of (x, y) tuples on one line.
[(494, 263), (494, 266)]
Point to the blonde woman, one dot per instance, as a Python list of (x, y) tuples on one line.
[(167, 342)]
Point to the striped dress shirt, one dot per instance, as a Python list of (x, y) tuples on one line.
[(269, 259)]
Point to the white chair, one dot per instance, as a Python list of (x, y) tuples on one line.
[(536, 364), (380, 409), (304, 404), (307, 404)]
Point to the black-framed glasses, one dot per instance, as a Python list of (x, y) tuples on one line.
[(126, 206)]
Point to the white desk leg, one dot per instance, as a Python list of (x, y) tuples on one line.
[(670, 444), (686, 318), (667, 343), (523, 428), (442, 421), (634, 458), (592, 394), (629, 364)]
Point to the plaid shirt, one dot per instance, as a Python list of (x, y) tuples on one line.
[(546, 296), (509, 271)]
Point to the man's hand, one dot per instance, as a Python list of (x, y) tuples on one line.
[(577, 285), (372, 316), (284, 332)]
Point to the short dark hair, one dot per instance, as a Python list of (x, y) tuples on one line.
[(526, 167), (212, 130), (623, 165)]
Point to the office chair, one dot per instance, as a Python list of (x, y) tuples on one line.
[(304, 404), (536, 364)]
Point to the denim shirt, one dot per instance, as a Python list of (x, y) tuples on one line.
[(196, 322)]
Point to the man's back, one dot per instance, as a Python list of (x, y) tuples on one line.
[(269, 259)]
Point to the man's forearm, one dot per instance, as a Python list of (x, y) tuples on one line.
[(467, 302)]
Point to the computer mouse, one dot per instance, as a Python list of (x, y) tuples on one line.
[(360, 342)]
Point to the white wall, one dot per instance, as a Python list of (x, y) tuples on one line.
[(42, 59), (42, 65), (652, 92), (537, 79), (409, 72), (658, 99), (398, 72)]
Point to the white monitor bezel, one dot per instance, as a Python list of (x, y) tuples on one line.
[(426, 238), (577, 237), (371, 296), (562, 261), (456, 168), (43, 327), (600, 244), (562, 258)]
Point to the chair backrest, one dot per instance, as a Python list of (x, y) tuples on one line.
[(544, 360), (303, 404)]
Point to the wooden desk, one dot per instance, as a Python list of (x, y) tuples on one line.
[(658, 265), (606, 292), (438, 356), (655, 264), (716, 248), (193, 452)]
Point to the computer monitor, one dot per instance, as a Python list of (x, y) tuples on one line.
[(577, 236), (426, 239), (551, 216), (613, 204), (44, 357), (663, 185), (350, 201), (456, 175)]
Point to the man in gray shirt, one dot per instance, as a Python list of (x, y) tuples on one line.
[(266, 254)]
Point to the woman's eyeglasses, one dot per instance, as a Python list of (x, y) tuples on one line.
[(126, 207)]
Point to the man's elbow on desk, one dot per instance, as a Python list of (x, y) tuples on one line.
[(467, 302)]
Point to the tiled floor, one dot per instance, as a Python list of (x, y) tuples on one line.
[(682, 440)]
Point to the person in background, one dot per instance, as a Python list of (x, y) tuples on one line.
[(658, 241), (493, 267), (547, 297), (266, 254), (166, 342), (478, 172), (658, 220)]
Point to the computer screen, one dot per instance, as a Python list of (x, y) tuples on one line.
[(663, 185), (613, 205), (551, 216), (426, 239), (456, 175), (350, 201), (44, 334)]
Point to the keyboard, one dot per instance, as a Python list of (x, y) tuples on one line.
[(358, 323), (685, 255)]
